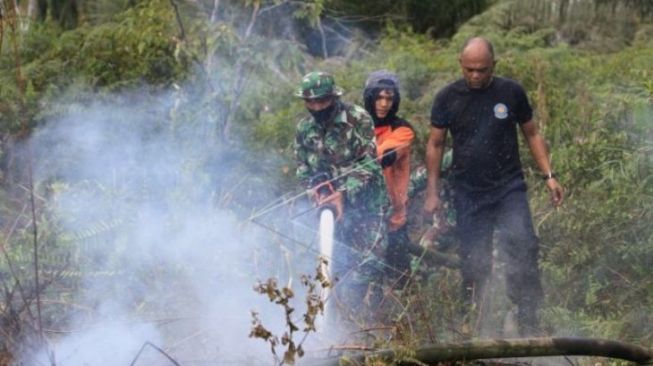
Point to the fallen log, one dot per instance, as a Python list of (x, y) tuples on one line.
[(501, 348)]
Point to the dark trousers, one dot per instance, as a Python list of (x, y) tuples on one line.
[(478, 216)]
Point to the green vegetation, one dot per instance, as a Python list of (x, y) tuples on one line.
[(231, 71)]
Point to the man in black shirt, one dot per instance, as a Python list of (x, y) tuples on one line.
[(482, 113)]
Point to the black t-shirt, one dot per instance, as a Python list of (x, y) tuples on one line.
[(483, 124)]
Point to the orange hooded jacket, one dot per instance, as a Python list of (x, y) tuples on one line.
[(397, 175)]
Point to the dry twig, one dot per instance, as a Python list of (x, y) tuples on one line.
[(148, 343)]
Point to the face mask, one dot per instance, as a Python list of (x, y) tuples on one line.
[(325, 114)]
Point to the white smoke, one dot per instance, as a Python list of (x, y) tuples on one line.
[(159, 258)]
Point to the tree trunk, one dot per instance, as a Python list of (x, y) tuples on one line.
[(33, 9)]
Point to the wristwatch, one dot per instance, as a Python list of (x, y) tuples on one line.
[(549, 175)]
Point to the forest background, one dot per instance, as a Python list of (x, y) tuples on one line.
[(135, 132)]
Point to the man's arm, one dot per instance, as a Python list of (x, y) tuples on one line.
[(434, 152), (540, 154)]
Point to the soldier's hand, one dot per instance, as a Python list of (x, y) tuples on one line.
[(335, 200), (313, 196), (557, 193)]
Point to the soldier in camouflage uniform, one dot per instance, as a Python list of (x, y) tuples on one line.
[(337, 140)]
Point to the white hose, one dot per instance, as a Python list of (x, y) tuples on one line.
[(327, 222)]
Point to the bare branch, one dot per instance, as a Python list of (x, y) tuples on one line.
[(325, 53), (35, 242), (338, 34), (241, 77), (214, 12), (274, 6), (252, 19), (148, 343), (2, 25), (182, 31)]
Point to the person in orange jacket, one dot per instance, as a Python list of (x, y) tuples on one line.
[(394, 137)]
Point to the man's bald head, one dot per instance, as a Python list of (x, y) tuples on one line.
[(478, 45), (477, 62)]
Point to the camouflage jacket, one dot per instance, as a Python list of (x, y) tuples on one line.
[(345, 149)]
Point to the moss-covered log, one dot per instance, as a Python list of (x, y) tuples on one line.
[(502, 348)]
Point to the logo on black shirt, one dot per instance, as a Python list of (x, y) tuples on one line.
[(500, 111)]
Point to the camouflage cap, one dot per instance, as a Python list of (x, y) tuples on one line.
[(317, 84)]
